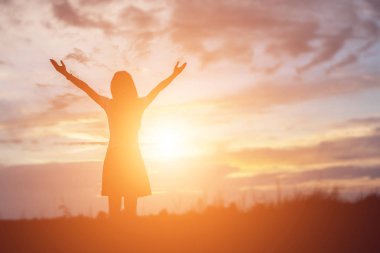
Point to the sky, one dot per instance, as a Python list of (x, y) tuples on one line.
[(277, 95)]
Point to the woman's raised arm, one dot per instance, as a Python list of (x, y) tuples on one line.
[(100, 100), (162, 85)]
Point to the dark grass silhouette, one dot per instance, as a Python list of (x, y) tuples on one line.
[(320, 222)]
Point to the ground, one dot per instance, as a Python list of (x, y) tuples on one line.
[(316, 223)]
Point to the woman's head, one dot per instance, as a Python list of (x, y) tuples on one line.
[(122, 86)]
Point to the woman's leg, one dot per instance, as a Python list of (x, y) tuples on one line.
[(114, 206), (130, 205)]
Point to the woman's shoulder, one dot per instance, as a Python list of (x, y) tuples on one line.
[(138, 103), (143, 102), (103, 102)]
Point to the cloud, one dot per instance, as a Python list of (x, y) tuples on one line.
[(23, 129), (369, 121), (10, 141), (137, 17), (370, 30), (349, 59), (270, 97), (46, 186), (261, 97), (375, 6), (63, 101), (20, 121), (342, 150), (26, 143), (237, 24), (329, 48), (142, 26), (269, 70), (64, 11), (5, 2), (94, 2), (293, 178), (232, 31), (77, 55), (294, 41), (43, 85), (287, 30), (82, 143)]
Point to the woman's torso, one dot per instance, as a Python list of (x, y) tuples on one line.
[(124, 121)]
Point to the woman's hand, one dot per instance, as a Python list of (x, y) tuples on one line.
[(61, 69), (163, 84), (178, 69)]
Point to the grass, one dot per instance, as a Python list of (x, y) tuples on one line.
[(318, 222)]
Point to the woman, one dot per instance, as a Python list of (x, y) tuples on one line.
[(124, 173)]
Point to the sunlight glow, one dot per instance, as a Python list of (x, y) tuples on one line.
[(166, 142)]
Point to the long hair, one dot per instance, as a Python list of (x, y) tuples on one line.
[(123, 87)]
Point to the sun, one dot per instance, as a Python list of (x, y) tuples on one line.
[(169, 143), (166, 142)]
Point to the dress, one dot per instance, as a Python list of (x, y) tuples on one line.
[(124, 172)]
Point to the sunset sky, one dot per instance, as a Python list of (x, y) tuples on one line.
[(282, 92)]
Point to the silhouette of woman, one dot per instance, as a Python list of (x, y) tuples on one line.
[(124, 173)]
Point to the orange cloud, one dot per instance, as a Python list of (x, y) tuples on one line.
[(329, 48), (62, 101), (77, 55), (64, 11), (287, 28), (261, 97), (339, 151)]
